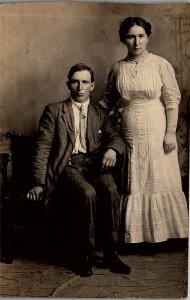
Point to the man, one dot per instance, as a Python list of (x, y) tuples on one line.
[(76, 147)]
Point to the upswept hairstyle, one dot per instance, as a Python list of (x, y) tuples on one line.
[(80, 67), (130, 22)]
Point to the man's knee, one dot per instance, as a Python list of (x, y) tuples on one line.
[(107, 191), (108, 185), (88, 195), (112, 188), (112, 196)]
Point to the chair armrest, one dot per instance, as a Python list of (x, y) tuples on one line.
[(22, 149), (4, 159)]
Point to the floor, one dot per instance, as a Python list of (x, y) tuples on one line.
[(157, 272)]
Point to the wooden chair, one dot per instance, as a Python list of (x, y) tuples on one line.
[(18, 214)]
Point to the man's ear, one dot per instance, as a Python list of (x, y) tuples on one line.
[(68, 85), (92, 86)]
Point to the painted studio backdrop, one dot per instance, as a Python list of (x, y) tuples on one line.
[(39, 42)]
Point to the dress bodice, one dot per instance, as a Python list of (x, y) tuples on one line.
[(139, 80), (151, 78)]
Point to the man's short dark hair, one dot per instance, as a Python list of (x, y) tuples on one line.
[(80, 67)]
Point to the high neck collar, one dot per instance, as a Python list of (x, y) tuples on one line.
[(137, 58), (78, 104)]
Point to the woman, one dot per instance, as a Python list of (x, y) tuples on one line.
[(144, 86)]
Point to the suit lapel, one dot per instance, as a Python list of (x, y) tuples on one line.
[(68, 118), (92, 124)]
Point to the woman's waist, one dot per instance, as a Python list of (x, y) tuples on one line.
[(134, 101), (142, 106)]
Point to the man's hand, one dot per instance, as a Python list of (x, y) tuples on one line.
[(109, 159), (35, 193), (169, 142)]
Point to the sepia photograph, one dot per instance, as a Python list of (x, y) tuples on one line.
[(94, 149)]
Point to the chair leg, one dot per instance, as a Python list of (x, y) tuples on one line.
[(6, 225), (6, 235)]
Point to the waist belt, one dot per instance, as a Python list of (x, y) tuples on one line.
[(80, 160), (141, 101), (77, 160)]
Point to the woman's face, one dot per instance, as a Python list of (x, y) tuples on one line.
[(136, 40)]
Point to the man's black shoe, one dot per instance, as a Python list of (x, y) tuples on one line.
[(115, 265), (85, 268)]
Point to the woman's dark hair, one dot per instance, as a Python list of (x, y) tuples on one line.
[(130, 22), (80, 67)]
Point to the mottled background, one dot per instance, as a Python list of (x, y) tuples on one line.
[(39, 42)]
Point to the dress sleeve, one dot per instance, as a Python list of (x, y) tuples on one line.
[(170, 90), (111, 95)]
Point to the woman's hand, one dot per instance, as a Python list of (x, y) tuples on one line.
[(109, 159), (35, 193), (169, 142)]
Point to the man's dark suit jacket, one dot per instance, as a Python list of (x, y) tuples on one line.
[(56, 139)]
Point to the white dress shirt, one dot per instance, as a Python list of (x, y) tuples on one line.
[(76, 110)]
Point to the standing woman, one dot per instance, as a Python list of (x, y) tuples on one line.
[(143, 86)]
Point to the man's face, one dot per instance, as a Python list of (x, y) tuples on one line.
[(80, 86)]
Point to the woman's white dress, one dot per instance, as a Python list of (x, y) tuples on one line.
[(155, 206)]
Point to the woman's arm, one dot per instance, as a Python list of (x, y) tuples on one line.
[(111, 95), (171, 96), (170, 142)]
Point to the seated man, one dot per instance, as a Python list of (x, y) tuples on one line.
[(76, 147)]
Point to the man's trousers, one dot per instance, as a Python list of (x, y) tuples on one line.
[(87, 200)]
